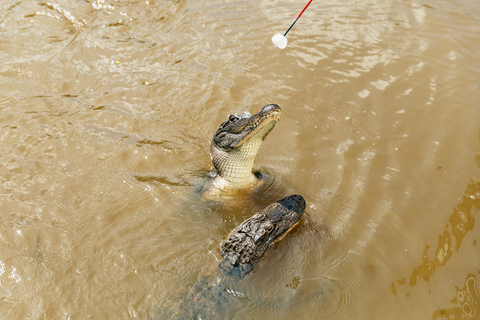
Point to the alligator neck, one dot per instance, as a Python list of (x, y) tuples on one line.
[(234, 168)]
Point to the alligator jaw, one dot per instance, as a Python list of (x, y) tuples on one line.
[(235, 146)]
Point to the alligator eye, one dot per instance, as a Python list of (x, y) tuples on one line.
[(232, 118)]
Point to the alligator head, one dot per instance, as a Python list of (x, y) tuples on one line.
[(236, 143), (254, 239)]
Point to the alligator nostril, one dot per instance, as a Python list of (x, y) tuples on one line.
[(270, 108)]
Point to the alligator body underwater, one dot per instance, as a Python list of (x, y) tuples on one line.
[(234, 148), (245, 246)]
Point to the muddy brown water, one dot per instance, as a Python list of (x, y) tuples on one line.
[(107, 109)]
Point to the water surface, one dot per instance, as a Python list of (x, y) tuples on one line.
[(107, 109)]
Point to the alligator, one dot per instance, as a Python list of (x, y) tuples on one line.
[(247, 244), (234, 148)]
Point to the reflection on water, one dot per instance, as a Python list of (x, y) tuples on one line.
[(466, 302), (459, 224)]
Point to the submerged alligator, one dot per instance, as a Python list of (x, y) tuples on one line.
[(245, 246), (234, 148)]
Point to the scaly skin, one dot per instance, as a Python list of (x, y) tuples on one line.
[(234, 148), (247, 244)]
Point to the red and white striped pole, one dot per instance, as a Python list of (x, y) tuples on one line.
[(281, 41), (297, 17)]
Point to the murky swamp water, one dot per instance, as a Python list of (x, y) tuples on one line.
[(107, 109)]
